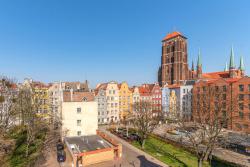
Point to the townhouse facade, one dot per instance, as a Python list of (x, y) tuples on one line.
[(145, 93), (165, 99), (101, 99), (186, 99), (56, 98), (156, 95), (135, 98), (125, 100), (111, 93)]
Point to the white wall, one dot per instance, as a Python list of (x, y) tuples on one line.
[(88, 117)]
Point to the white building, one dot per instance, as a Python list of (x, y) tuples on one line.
[(100, 98), (135, 98), (107, 97), (56, 98), (186, 101), (79, 114)]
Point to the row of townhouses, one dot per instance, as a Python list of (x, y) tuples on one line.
[(117, 101)]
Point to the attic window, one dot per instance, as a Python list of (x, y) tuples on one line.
[(84, 99)]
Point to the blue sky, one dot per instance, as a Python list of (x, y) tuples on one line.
[(53, 40)]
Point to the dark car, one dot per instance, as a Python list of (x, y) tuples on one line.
[(59, 146), (134, 136), (61, 156)]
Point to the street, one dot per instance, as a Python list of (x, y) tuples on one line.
[(131, 157)]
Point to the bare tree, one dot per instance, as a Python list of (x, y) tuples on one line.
[(22, 114), (7, 99), (212, 111), (144, 120), (7, 115)]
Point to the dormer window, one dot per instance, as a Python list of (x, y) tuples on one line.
[(84, 99)]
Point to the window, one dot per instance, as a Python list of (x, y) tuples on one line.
[(249, 106), (224, 97), (238, 125), (241, 88), (241, 97), (184, 91), (241, 115), (241, 106), (245, 126), (224, 105), (249, 116), (225, 88), (249, 88), (217, 88), (249, 97), (78, 110), (79, 122), (79, 133)]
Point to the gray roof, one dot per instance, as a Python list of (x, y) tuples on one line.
[(88, 143)]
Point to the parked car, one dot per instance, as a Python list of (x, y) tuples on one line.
[(59, 146), (61, 156), (134, 136)]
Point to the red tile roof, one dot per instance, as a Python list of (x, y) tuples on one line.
[(102, 86), (78, 96), (173, 86), (119, 86), (172, 35), (228, 80), (38, 84), (144, 90), (231, 80), (216, 75)]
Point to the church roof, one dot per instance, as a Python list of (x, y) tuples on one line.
[(216, 75), (231, 62), (172, 35)]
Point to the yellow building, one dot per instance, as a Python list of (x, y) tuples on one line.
[(125, 100), (172, 103), (40, 95), (41, 98)]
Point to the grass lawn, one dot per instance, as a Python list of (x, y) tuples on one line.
[(169, 154)]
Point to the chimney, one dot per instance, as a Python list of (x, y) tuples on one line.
[(71, 94)]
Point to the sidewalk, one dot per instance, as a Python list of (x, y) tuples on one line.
[(138, 151)]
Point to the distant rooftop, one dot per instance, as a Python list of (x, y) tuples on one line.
[(76, 96)]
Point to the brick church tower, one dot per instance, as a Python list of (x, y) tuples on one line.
[(174, 67)]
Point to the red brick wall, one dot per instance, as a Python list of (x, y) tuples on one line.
[(237, 122)]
